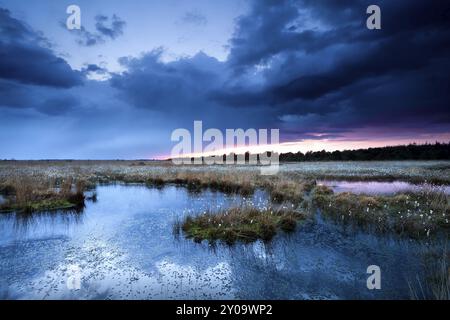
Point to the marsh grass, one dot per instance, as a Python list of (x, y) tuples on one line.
[(437, 277), (244, 224), (282, 191), (281, 187), (404, 214), (30, 194), (416, 215), (46, 185)]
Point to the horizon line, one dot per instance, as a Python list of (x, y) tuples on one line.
[(219, 153)]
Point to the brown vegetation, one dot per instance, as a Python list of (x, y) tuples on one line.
[(29, 194)]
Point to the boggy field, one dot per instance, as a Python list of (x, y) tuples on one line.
[(415, 207), (437, 172), (421, 210)]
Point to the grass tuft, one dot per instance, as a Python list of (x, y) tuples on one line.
[(30, 194), (246, 224), (416, 215)]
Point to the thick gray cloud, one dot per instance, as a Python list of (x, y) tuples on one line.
[(308, 66), (32, 76), (324, 70), (179, 85), (183, 90), (26, 58)]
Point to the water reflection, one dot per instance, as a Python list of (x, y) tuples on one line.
[(23, 222)]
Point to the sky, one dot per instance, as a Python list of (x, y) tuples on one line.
[(137, 70)]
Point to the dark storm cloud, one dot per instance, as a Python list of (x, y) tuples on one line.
[(179, 86), (263, 33), (281, 26), (321, 65), (105, 28), (26, 58), (182, 90), (32, 77), (309, 66)]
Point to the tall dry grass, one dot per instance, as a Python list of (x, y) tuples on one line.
[(28, 192), (437, 278)]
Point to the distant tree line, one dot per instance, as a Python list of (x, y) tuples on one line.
[(437, 151)]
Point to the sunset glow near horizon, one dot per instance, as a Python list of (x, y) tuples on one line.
[(311, 146)]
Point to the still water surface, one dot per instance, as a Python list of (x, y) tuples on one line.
[(123, 247)]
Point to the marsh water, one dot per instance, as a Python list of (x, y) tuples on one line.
[(381, 187), (123, 247)]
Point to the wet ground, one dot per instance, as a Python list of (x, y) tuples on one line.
[(381, 187), (123, 247)]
